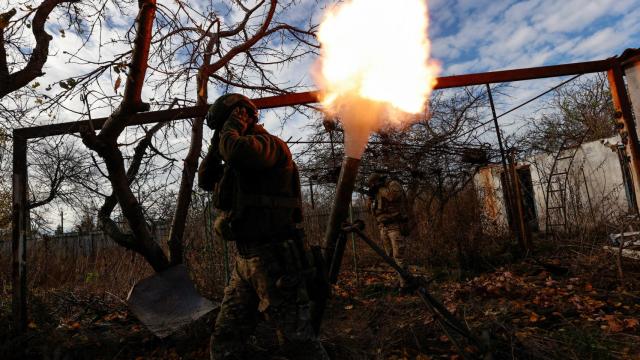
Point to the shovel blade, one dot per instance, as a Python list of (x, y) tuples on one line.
[(167, 301)]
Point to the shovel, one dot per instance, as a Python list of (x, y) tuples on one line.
[(168, 301)]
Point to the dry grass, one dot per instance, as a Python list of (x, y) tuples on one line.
[(367, 318)]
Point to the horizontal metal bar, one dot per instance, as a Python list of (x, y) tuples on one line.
[(163, 115), (524, 74), (313, 97)]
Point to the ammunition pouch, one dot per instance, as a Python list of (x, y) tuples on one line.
[(236, 204)]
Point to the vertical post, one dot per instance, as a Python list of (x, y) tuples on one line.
[(503, 158), (632, 73), (19, 233), (517, 200), (507, 191), (624, 118)]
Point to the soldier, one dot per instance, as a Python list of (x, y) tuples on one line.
[(388, 203), (257, 192)]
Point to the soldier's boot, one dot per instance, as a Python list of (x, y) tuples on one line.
[(226, 348), (404, 287), (307, 350), (297, 339)]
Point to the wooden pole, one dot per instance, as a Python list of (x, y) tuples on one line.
[(19, 234)]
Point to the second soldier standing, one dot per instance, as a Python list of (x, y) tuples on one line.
[(388, 204)]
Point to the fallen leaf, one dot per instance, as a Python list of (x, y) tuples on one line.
[(631, 324), (534, 317), (614, 324)]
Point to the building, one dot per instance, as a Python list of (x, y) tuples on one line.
[(579, 187)]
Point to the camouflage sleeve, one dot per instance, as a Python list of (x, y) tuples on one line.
[(255, 151), (208, 170), (392, 192)]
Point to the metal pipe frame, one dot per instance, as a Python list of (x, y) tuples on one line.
[(310, 97), (22, 135)]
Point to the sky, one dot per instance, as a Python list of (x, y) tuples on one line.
[(470, 36), (482, 35)]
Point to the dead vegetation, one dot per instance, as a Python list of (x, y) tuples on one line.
[(566, 301)]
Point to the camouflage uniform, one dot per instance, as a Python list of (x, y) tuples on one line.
[(389, 206), (259, 198)]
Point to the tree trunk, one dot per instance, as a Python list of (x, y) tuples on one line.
[(106, 146), (176, 236)]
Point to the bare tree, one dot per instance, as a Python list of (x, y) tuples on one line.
[(215, 49), (579, 111)]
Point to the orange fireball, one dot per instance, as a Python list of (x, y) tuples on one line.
[(375, 63)]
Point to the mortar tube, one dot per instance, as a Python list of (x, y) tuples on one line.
[(340, 208)]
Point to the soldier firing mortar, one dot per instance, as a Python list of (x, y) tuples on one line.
[(257, 191)]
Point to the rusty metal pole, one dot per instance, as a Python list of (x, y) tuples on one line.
[(19, 233), (631, 66), (632, 74), (624, 117)]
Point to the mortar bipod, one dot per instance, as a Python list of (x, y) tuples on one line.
[(447, 321)]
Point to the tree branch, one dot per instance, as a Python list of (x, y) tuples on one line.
[(33, 68), (189, 170), (212, 68)]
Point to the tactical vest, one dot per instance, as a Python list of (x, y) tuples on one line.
[(387, 211), (261, 206)]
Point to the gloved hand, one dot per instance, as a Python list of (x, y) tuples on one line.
[(239, 120)]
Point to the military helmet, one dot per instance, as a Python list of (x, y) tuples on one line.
[(222, 107)]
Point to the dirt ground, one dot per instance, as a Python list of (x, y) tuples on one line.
[(551, 305)]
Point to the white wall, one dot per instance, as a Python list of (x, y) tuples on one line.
[(595, 187)]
